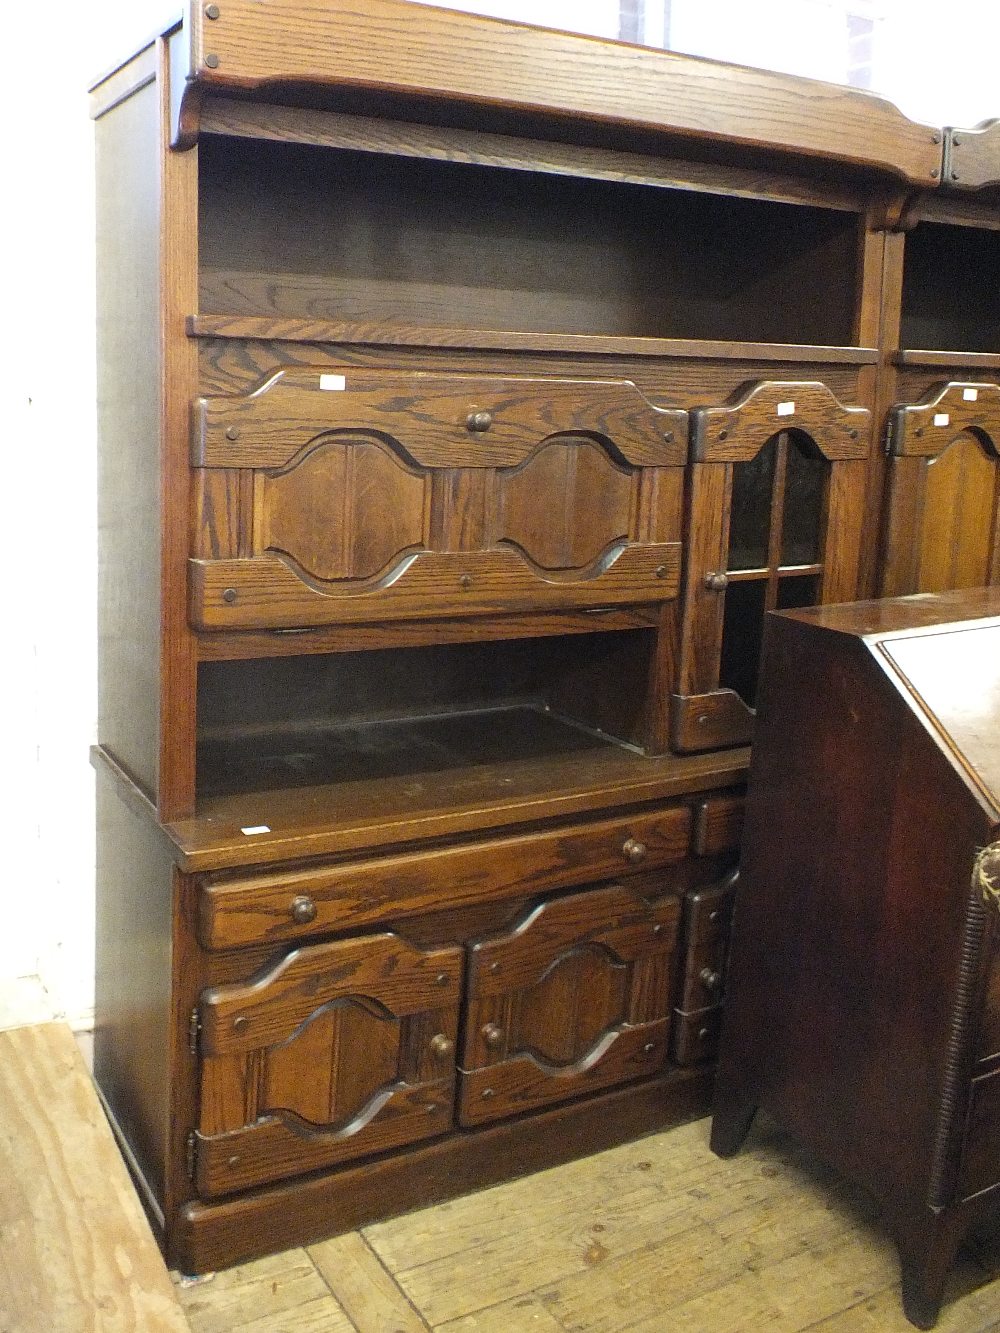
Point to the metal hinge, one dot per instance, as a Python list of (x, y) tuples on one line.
[(194, 1028), (191, 1147)]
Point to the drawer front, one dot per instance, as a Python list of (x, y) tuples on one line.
[(260, 909), (703, 956), (338, 1051), (695, 1036), (369, 495), (574, 998)]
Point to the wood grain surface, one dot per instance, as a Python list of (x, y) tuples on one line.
[(77, 1253), (411, 51)]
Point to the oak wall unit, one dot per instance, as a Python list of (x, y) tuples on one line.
[(469, 392)]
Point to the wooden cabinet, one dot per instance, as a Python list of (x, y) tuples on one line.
[(861, 1006), (468, 393)]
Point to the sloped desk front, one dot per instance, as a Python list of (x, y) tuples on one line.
[(864, 1000)]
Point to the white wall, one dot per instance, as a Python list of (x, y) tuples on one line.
[(939, 69)]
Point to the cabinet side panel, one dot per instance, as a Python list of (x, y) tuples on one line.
[(133, 986), (128, 356)]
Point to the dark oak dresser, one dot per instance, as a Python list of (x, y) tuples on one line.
[(864, 985), (468, 394)]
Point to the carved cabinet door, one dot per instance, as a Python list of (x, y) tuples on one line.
[(369, 495), (337, 1051), (775, 517), (943, 510), (575, 997)]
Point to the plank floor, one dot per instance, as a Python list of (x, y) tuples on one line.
[(656, 1236)]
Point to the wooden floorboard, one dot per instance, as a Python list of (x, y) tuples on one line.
[(653, 1237), (76, 1251)]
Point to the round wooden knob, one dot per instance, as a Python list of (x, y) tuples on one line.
[(709, 979), (716, 582), (479, 421), (633, 850), (303, 910), (493, 1035), (442, 1045)]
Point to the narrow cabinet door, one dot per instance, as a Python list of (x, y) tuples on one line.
[(575, 997), (943, 512), (339, 1050), (371, 494), (775, 515)]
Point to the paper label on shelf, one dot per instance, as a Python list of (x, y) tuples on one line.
[(786, 409), (256, 828), (333, 382), (941, 418), (970, 395)]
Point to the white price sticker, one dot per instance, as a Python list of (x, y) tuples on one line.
[(333, 383), (256, 828), (786, 409), (970, 395), (941, 418)]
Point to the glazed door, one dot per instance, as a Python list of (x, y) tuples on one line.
[(775, 514), (575, 997), (340, 1050), (943, 511), (370, 495)]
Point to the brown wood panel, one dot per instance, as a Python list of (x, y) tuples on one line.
[(922, 429), (235, 912), (955, 544), (574, 997), (273, 328), (435, 420), (972, 156), (738, 431), (78, 1252), (264, 591), (237, 645), (270, 1149), (343, 510), (291, 124), (709, 721), (416, 52), (718, 824), (402, 978)]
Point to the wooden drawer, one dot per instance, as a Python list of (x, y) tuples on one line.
[(703, 955), (573, 998), (695, 1036), (364, 495), (259, 909), (340, 1050)]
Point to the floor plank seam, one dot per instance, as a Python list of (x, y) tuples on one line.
[(392, 1278), (323, 1278)]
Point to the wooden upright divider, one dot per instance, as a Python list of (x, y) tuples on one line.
[(470, 392)]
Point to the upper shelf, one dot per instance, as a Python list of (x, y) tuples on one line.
[(412, 335), (412, 55)]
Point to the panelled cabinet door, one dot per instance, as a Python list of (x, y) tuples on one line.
[(340, 1050), (943, 515), (776, 508), (372, 495), (574, 998)]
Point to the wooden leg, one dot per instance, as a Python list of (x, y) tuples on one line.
[(928, 1244), (730, 1125)]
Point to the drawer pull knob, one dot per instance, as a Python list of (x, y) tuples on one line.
[(303, 910), (493, 1035), (709, 979), (479, 421), (716, 582), (442, 1045), (633, 850)]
